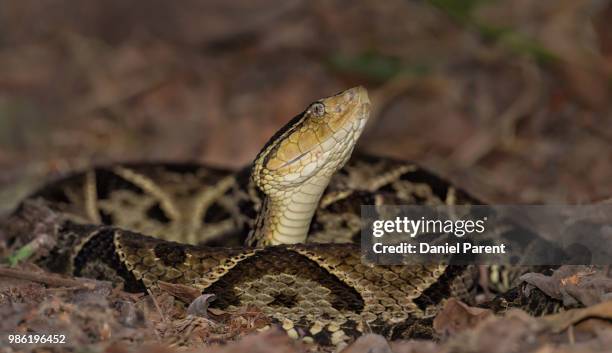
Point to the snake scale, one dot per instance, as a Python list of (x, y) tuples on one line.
[(281, 235)]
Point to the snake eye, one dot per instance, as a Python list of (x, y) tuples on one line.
[(318, 109)]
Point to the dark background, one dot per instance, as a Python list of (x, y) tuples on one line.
[(509, 99)]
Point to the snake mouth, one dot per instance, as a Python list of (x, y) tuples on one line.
[(296, 159)]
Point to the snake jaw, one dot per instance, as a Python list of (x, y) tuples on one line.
[(295, 167), (328, 127)]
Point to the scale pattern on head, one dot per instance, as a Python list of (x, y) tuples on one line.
[(295, 166), (326, 130)]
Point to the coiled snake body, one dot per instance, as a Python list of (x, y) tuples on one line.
[(297, 210)]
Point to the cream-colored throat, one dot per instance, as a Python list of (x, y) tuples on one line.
[(286, 219)]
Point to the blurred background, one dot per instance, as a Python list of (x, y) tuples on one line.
[(509, 99)]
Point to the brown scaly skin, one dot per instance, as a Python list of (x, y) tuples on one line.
[(218, 207), (317, 291), (320, 292)]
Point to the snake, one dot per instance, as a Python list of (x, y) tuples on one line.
[(281, 235)]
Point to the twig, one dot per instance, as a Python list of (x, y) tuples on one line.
[(159, 311), (45, 278), (570, 334), (184, 293), (62, 289)]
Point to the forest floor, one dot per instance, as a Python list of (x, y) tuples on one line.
[(510, 100)]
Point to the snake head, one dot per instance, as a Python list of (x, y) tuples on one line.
[(317, 142)]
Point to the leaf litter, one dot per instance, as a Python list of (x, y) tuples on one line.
[(466, 89)]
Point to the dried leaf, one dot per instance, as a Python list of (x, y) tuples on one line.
[(185, 293), (573, 284), (199, 307), (370, 343), (457, 316), (562, 321)]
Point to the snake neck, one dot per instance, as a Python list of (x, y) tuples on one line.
[(286, 219)]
